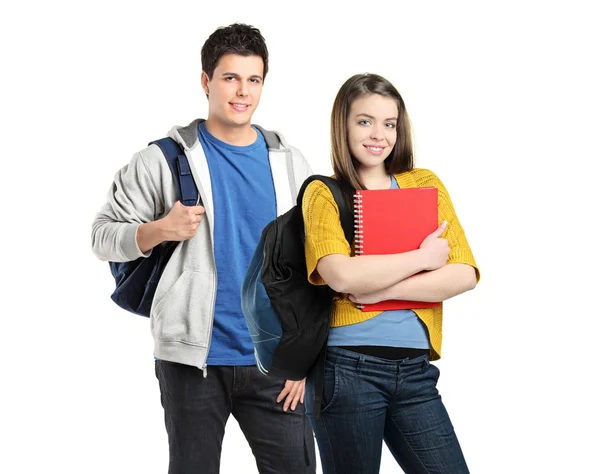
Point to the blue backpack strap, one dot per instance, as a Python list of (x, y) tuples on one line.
[(187, 191)]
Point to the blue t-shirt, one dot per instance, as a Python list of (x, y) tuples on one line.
[(398, 328), (244, 203)]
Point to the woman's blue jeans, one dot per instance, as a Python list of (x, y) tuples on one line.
[(368, 400)]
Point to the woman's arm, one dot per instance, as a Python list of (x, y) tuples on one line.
[(437, 285), (370, 273)]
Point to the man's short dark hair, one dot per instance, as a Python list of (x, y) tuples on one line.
[(237, 38)]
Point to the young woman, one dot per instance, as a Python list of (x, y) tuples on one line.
[(379, 383)]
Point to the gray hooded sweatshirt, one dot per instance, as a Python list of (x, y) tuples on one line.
[(182, 312)]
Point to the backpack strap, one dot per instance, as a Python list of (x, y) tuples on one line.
[(347, 221), (187, 191), (346, 213)]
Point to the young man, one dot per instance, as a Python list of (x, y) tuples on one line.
[(246, 176)]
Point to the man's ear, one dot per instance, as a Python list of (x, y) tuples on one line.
[(205, 80)]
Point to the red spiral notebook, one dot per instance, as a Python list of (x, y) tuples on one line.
[(394, 221)]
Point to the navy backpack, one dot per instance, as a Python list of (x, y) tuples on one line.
[(136, 281), (287, 316)]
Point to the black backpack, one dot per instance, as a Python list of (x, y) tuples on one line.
[(287, 316)]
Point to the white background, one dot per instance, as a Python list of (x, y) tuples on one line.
[(504, 102)]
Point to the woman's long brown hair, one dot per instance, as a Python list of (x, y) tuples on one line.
[(401, 157)]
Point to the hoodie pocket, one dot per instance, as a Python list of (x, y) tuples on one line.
[(185, 310)]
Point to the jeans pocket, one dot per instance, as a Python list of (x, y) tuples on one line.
[(330, 386), (429, 373), (433, 372)]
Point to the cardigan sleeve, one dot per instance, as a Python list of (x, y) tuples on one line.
[(460, 251), (324, 232)]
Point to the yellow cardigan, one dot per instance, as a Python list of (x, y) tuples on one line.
[(325, 236)]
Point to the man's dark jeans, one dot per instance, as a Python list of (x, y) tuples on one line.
[(368, 400), (197, 408)]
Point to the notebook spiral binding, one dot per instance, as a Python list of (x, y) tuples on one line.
[(358, 229)]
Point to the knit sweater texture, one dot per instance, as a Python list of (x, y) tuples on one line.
[(325, 236)]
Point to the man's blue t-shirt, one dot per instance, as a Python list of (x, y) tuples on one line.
[(244, 203)]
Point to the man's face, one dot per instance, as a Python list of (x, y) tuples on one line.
[(234, 90)]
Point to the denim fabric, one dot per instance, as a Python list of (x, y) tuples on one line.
[(368, 400), (197, 409)]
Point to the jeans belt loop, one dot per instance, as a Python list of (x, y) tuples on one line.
[(360, 362)]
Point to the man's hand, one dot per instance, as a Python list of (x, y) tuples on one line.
[(292, 393), (182, 221), (180, 224)]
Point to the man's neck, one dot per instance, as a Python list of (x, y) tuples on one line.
[(241, 135)]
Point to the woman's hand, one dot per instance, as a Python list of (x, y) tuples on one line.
[(292, 393), (435, 249), (369, 298)]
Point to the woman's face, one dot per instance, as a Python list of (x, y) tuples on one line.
[(372, 125)]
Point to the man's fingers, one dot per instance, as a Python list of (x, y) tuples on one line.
[(191, 209), (195, 210), (177, 208)]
